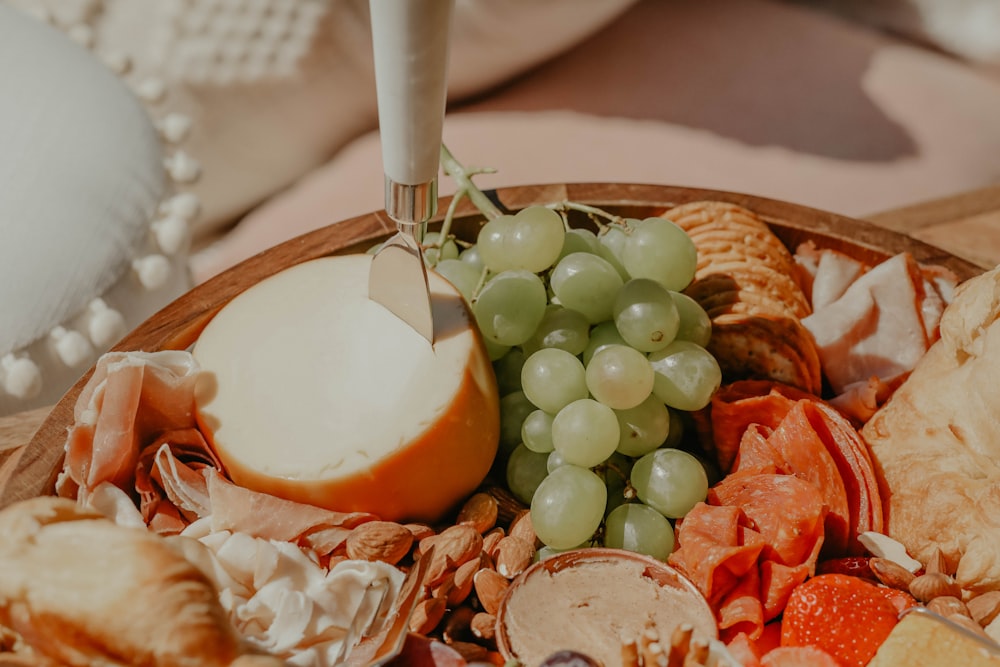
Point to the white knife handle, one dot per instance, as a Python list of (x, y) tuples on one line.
[(410, 42)]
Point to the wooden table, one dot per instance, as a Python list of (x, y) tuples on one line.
[(967, 225)]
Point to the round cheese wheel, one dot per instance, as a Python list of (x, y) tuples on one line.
[(313, 392)]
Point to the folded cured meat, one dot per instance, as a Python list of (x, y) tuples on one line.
[(81, 590), (936, 442)]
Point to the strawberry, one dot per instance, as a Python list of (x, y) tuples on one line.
[(845, 616), (856, 566)]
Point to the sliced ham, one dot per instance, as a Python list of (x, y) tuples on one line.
[(876, 327), (835, 272)]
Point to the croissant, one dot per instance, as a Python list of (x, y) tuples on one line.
[(81, 590), (936, 443)]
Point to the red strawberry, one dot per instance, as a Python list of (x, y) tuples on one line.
[(856, 566), (845, 616)]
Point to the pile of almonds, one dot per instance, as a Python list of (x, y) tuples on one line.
[(935, 587), (472, 564)]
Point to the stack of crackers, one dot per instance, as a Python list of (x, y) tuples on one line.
[(746, 280)]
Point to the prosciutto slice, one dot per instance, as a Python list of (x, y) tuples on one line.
[(130, 400)]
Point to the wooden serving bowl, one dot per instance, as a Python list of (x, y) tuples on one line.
[(177, 326)]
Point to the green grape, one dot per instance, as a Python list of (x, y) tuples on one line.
[(554, 461), (536, 238), (510, 307), (615, 472), (639, 528), (695, 324), (685, 375), (562, 328), (536, 432), (531, 240), (464, 276), (514, 409), (471, 256), (611, 245), (585, 432), (587, 284), (525, 471), (568, 506), (644, 427), (671, 481), (508, 370), (619, 376), (435, 250), (579, 240), (492, 244), (553, 378), (645, 315), (495, 350), (602, 335), (660, 250)]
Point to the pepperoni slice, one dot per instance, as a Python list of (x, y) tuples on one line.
[(807, 456), (737, 405)]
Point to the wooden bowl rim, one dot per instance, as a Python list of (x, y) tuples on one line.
[(35, 468)]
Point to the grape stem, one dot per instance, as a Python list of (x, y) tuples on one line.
[(466, 188)]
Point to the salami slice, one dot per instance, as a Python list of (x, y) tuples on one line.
[(756, 538), (805, 453), (853, 460), (737, 405)]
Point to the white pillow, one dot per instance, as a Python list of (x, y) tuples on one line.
[(82, 179), (276, 87)]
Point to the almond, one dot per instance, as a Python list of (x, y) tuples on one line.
[(427, 614), (891, 573), (419, 530), (947, 605), (521, 527), (379, 540), (490, 587), (479, 511), (452, 547), (462, 580), (514, 555), (931, 585), (484, 625), (491, 539), (508, 506), (937, 562), (984, 608)]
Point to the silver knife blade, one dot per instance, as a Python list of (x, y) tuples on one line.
[(398, 281)]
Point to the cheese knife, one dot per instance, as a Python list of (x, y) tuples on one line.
[(410, 47)]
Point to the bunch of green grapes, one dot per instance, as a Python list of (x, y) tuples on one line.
[(596, 352)]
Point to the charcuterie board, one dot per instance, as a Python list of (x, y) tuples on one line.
[(33, 469)]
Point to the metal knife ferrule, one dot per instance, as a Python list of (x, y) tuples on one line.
[(411, 204)]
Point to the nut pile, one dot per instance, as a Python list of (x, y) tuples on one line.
[(472, 564), (650, 651), (935, 587)]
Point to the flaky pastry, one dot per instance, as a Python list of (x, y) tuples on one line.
[(937, 442), (81, 590)]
